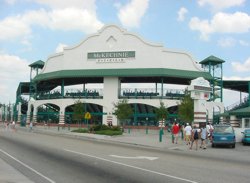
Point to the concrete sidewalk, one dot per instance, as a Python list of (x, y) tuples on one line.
[(133, 137)]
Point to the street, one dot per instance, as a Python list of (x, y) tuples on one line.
[(50, 158)]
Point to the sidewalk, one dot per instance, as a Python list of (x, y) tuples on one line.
[(133, 137)]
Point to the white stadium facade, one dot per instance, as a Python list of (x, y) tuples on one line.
[(111, 65)]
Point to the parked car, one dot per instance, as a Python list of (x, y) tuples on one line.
[(246, 137), (223, 134)]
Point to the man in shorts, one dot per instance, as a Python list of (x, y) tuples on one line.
[(188, 132)]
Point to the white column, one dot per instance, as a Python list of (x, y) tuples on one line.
[(35, 114), (200, 112), (28, 114), (62, 115), (234, 121), (110, 95)]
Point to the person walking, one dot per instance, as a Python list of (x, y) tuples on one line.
[(14, 126), (31, 126), (175, 132), (204, 135), (210, 130), (188, 133), (195, 137)]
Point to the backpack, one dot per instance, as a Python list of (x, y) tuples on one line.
[(196, 136)]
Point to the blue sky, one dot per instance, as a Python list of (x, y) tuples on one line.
[(31, 30)]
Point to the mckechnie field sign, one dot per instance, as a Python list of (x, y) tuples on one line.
[(118, 56)]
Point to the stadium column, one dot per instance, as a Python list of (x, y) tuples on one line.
[(28, 114), (35, 114), (62, 115), (19, 112), (111, 90)]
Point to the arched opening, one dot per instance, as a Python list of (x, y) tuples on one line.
[(48, 113), (95, 110), (144, 115)]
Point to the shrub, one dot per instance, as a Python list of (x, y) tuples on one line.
[(80, 130), (116, 128), (99, 127)]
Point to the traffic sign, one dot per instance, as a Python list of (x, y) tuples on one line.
[(87, 115)]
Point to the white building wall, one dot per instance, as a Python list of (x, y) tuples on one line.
[(112, 38)]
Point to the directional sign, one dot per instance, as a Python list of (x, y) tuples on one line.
[(87, 115), (136, 157)]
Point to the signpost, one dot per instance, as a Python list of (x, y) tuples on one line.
[(87, 116)]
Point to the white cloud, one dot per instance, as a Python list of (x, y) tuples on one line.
[(239, 67), (71, 18), (243, 43), (11, 2), (60, 47), (221, 4), (10, 64), (227, 42), (181, 14), (237, 78), (59, 4), (131, 14), (221, 23), (201, 25), (12, 27)]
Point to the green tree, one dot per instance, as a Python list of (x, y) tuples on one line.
[(186, 108), (78, 111), (161, 112), (123, 110)]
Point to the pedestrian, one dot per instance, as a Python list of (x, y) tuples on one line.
[(14, 126), (195, 137), (181, 131), (175, 132), (210, 130), (204, 135), (188, 133), (31, 126)]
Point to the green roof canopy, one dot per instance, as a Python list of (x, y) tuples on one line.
[(135, 73), (212, 60), (242, 86), (23, 88), (243, 111), (38, 64)]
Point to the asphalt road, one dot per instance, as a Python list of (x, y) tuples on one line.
[(46, 158)]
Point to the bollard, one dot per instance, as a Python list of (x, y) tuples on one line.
[(147, 130), (129, 130), (69, 127), (58, 127)]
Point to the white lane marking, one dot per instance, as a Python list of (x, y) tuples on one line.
[(27, 166), (136, 157), (123, 164)]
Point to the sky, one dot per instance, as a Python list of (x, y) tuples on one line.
[(31, 30)]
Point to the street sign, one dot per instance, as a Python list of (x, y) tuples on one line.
[(87, 116)]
